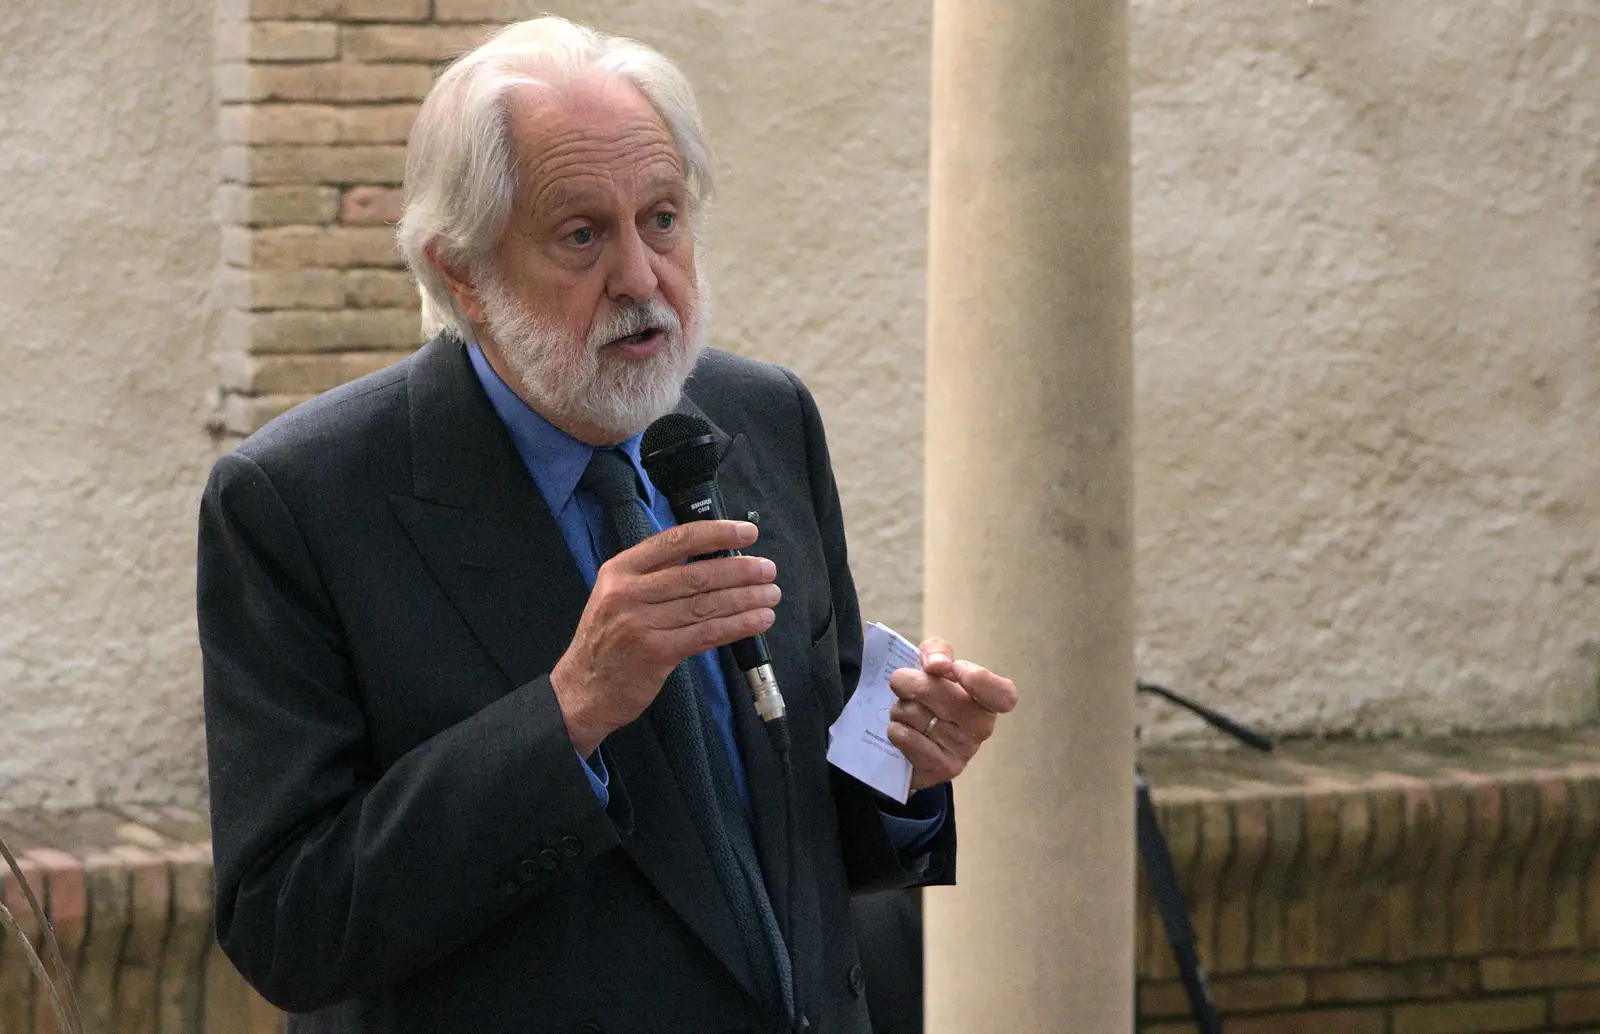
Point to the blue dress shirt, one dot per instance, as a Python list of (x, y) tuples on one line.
[(556, 461)]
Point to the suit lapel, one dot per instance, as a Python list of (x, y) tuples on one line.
[(480, 523), (491, 542), (736, 478)]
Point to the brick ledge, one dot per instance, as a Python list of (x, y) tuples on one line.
[(129, 893), (1398, 887), (1402, 887)]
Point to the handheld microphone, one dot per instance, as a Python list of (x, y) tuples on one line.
[(679, 452)]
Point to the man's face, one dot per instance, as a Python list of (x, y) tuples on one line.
[(592, 304)]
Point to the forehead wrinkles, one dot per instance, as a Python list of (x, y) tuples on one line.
[(571, 156)]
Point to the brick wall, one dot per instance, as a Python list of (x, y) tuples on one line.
[(1436, 888), (1401, 888), (129, 895), (316, 99)]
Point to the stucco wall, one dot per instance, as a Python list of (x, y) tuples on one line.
[(107, 165), (1367, 247), (1368, 321)]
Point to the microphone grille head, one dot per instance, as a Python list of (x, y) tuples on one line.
[(679, 449)]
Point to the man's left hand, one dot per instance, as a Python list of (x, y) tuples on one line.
[(945, 712)]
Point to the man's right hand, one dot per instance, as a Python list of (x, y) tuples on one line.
[(649, 610)]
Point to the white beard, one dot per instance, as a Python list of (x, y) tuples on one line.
[(574, 382)]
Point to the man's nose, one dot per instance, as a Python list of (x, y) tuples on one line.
[(632, 279)]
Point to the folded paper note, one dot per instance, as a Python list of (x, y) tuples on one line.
[(858, 743)]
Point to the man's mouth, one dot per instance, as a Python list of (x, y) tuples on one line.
[(642, 345)]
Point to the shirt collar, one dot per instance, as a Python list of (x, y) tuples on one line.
[(554, 458)]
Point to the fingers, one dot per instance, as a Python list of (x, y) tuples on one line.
[(691, 610), (649, 610), (676, 545), (951, 735), (991, 692), (945, 698), (930, 763), (649, 596), (704, 576), (708, 635), (988, 690), (938, 657)]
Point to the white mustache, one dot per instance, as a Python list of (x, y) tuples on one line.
[(636, 319)]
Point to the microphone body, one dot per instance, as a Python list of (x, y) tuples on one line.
[(702, 501), (680, 455)]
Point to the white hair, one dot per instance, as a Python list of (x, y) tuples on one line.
[(460, 162)]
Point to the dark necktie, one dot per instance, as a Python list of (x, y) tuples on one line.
[(698, 761)]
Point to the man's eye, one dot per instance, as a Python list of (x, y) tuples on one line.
[(664, 220), (582, 237)]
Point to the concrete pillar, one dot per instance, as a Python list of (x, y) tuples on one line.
[(1029, 507)]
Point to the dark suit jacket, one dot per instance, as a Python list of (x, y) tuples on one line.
[(889, 938), (404, 837)]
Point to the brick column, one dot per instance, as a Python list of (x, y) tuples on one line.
[(317, 97)]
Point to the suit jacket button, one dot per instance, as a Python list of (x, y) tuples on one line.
[(528, 869), (549, 861), (857, 981), (509, 888), (571, 846)]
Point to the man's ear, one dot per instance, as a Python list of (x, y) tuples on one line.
[(459, 281)]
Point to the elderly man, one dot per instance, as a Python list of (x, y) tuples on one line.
[(477, 761)]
